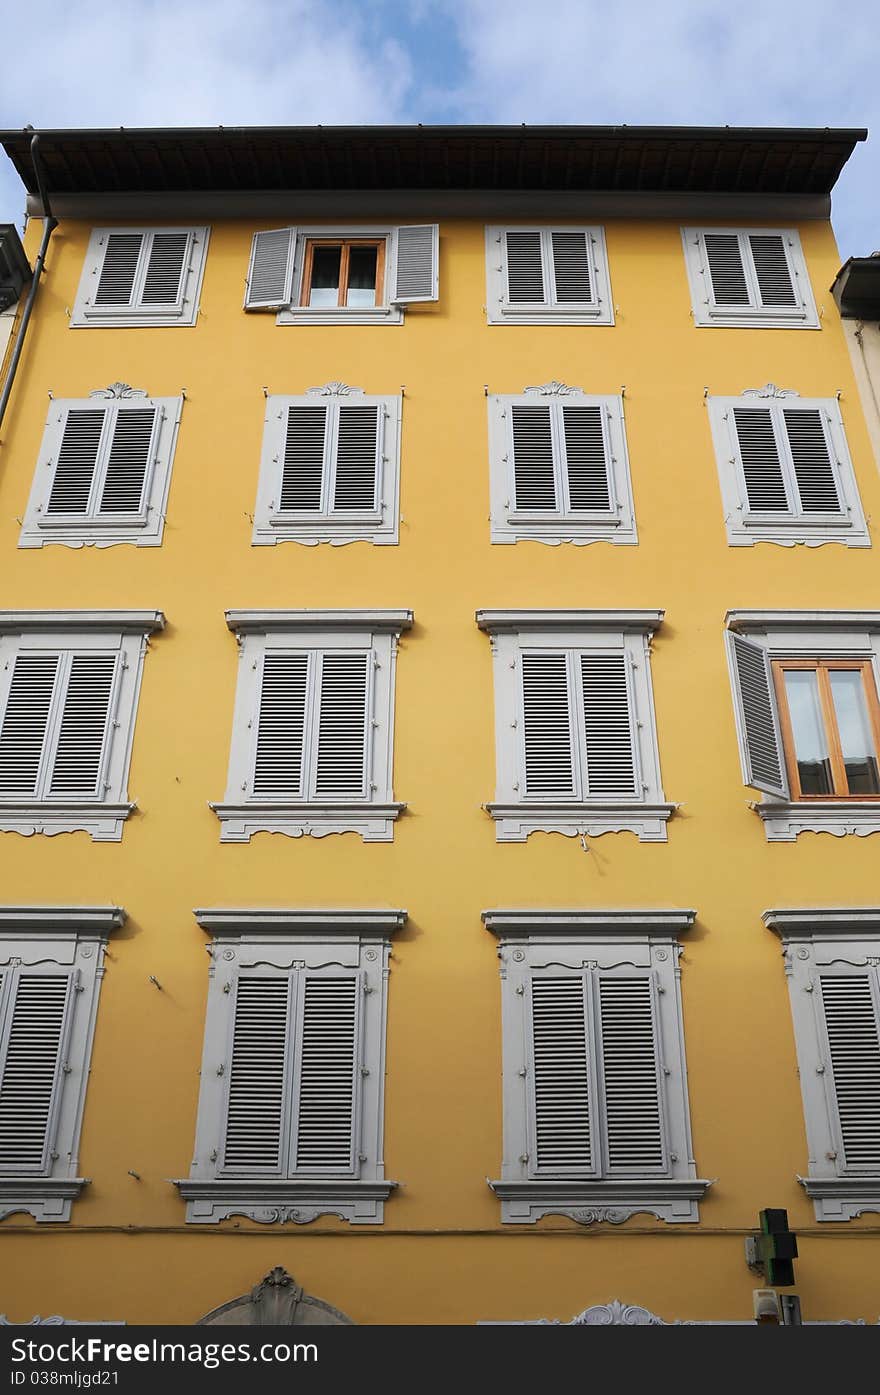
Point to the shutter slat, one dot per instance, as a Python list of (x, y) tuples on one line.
[(812, 462), (726, 271), (854, 1043), (762, 469), (771, 270), (416, 264), (271, 268), (611, 763), (533, 470), (77, 765), (525, 275), (119, 268), (278, 765), (304, 452), (30, 1070), (630, 1088), (258, 1074), (77, 457), (165, 268), (342, 716), (762, 759), (327, 1074), (547, 735), (586, 463), (24, 722), (128, 461), (356, 459), (571, 267), (560, 1076)]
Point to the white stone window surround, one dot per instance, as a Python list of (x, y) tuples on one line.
[(826, 940), (265, 631), (744, 526), (86, 315), (381, 526), (73, 938), (124, 633), (143, 529), (509, 524), (645, 941), (501, 311), (608, 631), (294, 939), (798, 634), (707, 314)]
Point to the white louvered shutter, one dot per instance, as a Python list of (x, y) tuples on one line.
[(630, 1076), (76, 461), (416, 264), (758, 725), (548, 746), (303, 470), (611, 758), (31, 1069), (25, 722), (119, 268), (849, 1007), (356, 459), (560, 1071), (534, 469), (811, 459), (167, 256), (128, 460), (587, 460), (340, 760), (572, 281), (325, 1089), (759, 455), (727, 276), (772, 272), (524, 267), (279, 765), (259, 1068), (78, 760), (270, 272)]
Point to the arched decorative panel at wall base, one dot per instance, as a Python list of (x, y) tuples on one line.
[(276, 1301)]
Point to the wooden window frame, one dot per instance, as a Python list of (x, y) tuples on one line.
[(345, 245), (822, 668)]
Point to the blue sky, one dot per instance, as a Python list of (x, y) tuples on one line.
[(291, 62)]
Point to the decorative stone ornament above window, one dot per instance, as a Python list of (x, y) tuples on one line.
[(559, 470), (297, 1013), (405, 272), (312, 732), (69, 685), (832, 961), (103, 470), (141, 277), (785, 470), (596, 1116), (576, 742), (749, 278), (547, 275), (330, 468), (51, 965), (804, 686)]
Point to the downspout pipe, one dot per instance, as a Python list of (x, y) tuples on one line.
[(50, 223)]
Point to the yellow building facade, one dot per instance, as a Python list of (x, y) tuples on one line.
[(443, 1246)]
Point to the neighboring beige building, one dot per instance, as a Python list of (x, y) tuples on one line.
[(856, 290)]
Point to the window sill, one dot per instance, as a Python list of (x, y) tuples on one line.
[(754, 318), (93, 535), (44, 1198), (569, 530), (311, 534), (842, 1198), (591, 1203), (127, 319), (550, 315), (791, 532), (374, 822), (516, 821), (303, 315), (784, 820), (271, 1201), (103, 821)]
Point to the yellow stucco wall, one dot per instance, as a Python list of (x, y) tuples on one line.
[(443, 1099)]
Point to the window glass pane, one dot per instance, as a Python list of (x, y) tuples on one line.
[(810, 742), (324, 289), (362, 276), (853, 724)]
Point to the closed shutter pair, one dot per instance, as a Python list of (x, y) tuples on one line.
[(143, 269), (578, 737), (36, 1007), (55, 724), (311, 738), (750, 269), (561, 459), (414, 264), (550, 266), (103, 462), (849, 1001), (786, 461), (331, 465)]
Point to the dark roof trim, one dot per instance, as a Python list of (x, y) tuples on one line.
[(856, 288), (680, 159)]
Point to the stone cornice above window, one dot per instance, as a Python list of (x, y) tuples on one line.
[(60, 920), (289, 922), (270, 621), (846, 921), (747, 622), (599, 923), (120, 622), (619, 621)]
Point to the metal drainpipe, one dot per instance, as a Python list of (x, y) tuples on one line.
[(50, 223)]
